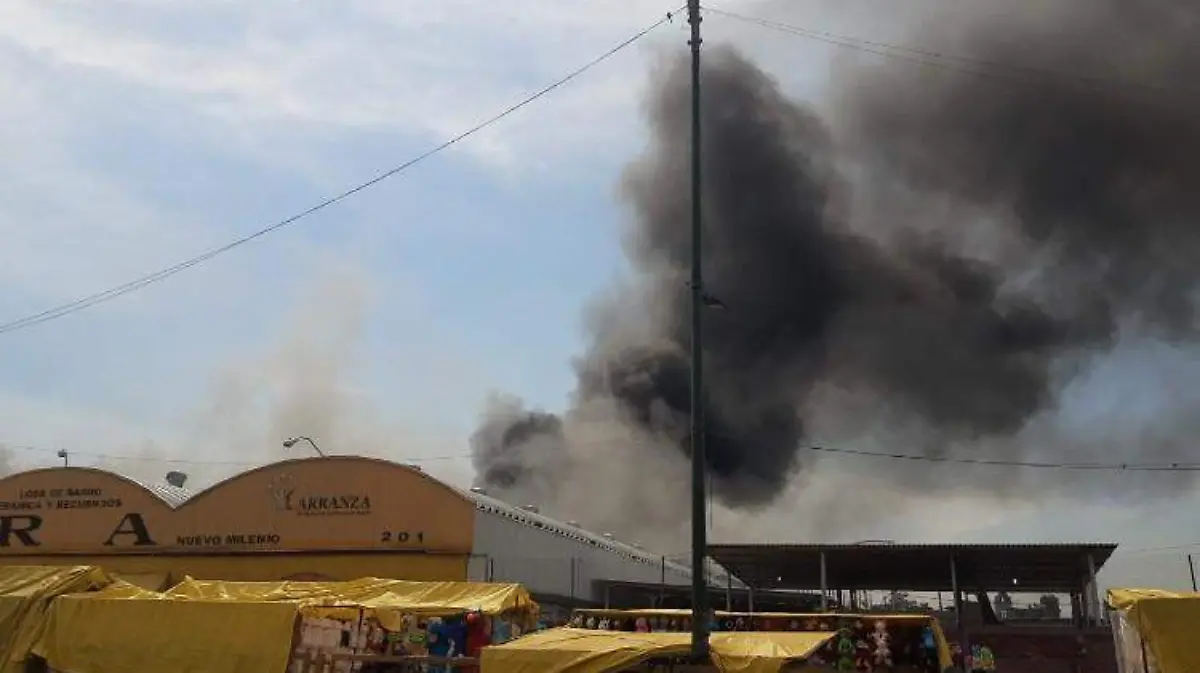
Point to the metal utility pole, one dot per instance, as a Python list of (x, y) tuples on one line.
[(700, 619), (1192, 570)]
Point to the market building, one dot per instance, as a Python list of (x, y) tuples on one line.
[(327, 518)]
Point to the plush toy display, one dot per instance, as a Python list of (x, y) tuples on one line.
[(883, 645), (862, 656), (845, 651)]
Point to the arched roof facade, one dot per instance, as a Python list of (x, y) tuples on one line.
[(336, 503)]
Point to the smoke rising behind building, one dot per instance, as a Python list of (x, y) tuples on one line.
[(932, 262)]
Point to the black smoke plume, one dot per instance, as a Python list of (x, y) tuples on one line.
[(946, 242)]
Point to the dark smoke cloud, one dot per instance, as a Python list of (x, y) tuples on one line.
[(848, 252)]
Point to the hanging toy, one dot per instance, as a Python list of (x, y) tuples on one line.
[(883, 645), (845, 651), (862, 656)]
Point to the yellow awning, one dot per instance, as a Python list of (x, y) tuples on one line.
[(1167, 623), (945, 659), (763, 652), (130, 630), (410, 597), (589, 651), (581, 651), (25, 596)]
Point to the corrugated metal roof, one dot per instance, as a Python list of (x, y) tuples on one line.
[(1056, 567), (172, 495), (539, 520)]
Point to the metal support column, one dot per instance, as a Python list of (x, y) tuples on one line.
[(1096, 612), (700, 615), (958, 607), (728, 591), (750, 598), (824, 585)]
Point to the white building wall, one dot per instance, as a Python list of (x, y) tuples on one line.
[(551, 557)]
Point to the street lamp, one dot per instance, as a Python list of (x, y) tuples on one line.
[(66, 457), (290, 442)]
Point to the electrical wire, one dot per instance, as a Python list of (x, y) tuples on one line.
[(1007, 71), (1110, 467), (910, 457), (149, 279)]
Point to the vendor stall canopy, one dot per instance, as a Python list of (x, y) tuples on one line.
[(26, 593), (222, 627), (582, 651), (1164, 622), (423, 598)]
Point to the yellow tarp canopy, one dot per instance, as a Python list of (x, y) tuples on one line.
[(589, 651), (234, 627), (131, 630), (1167, 623), (762, 652), (151, 581), (945, 659), (26, 593), (379, 595)]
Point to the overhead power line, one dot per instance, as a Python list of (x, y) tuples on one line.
[(878, 455), (993, 462), (162, 274), (984, 68)]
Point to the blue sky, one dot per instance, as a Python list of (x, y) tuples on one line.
[(139, 133)]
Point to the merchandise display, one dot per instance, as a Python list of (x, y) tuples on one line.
[(865, 643), (452, 636)]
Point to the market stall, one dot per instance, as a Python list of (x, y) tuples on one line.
[(570, 650), (276, 626), (862, 642), (1154, 630), (26, 593)]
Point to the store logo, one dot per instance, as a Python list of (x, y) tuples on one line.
[(318, 505), (283, 493), (283, 487)]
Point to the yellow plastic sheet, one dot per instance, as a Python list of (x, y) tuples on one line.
[(431, 598), (762, 652), (1167, 623), (945, 659), (581, 651), (589, 651), (26, 593), (149, 633)]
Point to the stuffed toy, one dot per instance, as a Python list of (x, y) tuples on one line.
[(604, 624), (845, 651), (862, 656), (641, 626), (883, 645)]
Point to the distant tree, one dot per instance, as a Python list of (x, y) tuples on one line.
[(1050, 606), (1003, 604), (898, 600)]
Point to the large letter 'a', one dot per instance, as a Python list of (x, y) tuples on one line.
[(131, 524)]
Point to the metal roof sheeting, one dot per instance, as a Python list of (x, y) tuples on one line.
[(172, 495), (537, 520), (915, 567)]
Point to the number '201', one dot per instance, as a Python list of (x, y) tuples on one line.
[(401, 537)]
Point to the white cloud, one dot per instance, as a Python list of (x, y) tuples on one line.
[(431, 69)]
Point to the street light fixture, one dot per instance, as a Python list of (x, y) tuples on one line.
[(292, 441)]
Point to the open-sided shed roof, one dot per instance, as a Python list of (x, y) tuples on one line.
[(914, 567)]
